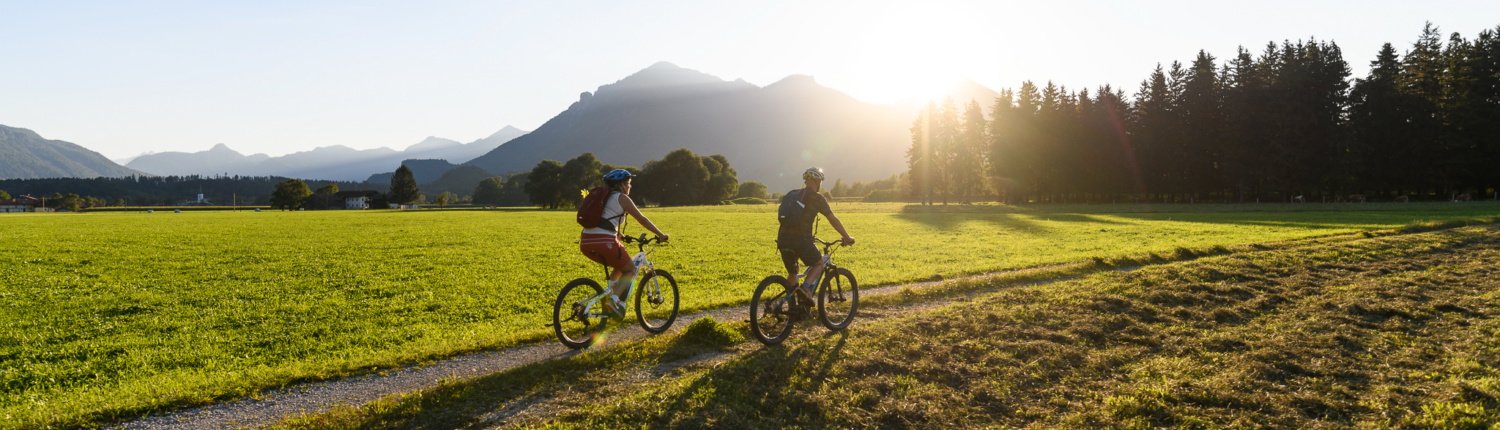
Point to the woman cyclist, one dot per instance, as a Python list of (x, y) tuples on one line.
[(602, 243)]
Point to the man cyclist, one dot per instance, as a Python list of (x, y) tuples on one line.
[(796, 240)]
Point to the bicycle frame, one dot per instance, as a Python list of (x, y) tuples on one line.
[(642, 262), (828, 266)]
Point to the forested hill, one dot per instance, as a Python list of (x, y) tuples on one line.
[(772, 133), (1283, 123), (25, 155)]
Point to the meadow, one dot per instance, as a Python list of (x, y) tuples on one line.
[(112, 315)]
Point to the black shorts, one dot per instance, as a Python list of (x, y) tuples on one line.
[(797, 247)]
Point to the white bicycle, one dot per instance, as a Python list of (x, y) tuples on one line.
[(578, 314)]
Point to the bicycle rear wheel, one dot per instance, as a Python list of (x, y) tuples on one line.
[(838, 299), (573, 326), (772, 310), (658, 292)]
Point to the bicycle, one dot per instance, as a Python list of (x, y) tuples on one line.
[(577, 311), (771, 319)]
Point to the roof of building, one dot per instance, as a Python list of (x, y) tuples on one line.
[(22, 200), (356, 193)]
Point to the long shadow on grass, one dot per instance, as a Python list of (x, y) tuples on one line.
[(950, 221)]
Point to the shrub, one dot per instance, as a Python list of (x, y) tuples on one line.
[(747, 201), (710, 332), (883, 196)]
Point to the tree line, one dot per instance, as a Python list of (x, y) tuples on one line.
[(161, 190), (680, 178), (1287, 122)]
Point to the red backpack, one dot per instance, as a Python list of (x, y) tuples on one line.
[(591, 210)]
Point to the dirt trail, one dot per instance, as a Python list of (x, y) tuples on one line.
[(321, 396)]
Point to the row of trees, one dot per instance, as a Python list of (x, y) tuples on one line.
[(1289, 121), (164, 190), (680, 178), (71, 202)]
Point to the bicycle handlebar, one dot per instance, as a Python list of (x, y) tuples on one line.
[(826, 244), (643, 240)]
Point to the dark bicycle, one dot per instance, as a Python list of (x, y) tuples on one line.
[(577, 314), (776, 307)]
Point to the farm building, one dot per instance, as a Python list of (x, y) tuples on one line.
[(23, 204), (357, 199)]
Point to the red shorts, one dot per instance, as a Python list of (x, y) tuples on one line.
[(606, 249)]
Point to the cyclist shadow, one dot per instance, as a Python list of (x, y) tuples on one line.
[(833, 355), (777, 381)]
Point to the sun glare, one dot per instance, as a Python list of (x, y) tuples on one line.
[(907, 50)]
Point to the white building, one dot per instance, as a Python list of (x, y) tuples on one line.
[(22, 204), (357, 199)]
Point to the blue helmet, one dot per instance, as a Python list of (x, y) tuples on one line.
[(617, 175)]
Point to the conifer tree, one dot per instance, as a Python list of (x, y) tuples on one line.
[(403, 189), (972, 140), (920, 156)]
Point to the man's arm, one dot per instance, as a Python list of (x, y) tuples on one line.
[(834, 219)]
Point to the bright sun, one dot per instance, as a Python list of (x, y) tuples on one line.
[(903, 50)]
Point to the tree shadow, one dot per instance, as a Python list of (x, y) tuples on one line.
[(948, 221)]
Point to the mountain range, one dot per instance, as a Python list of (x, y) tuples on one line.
[(770, 134), (24, 154), (336, 162)]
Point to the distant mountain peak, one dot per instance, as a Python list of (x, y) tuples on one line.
[(663, 65), (659, 75), (801, 80), (432, 142), (508, 131), (222, 148)]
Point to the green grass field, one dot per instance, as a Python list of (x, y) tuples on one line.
[(111, 315)]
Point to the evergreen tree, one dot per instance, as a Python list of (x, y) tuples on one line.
[(946, 148), (1000, 154), (1202, 116), (920, 156), (973, 139), (403, 189), (1154, 122), (1380, 126)]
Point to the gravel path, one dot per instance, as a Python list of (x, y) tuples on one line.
[(321, 396)]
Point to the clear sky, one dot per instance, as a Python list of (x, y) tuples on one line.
[(277, 77)]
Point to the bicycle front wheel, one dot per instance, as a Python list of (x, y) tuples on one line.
[(771, 311), (570, 319), (656, 301), (838, 299)]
